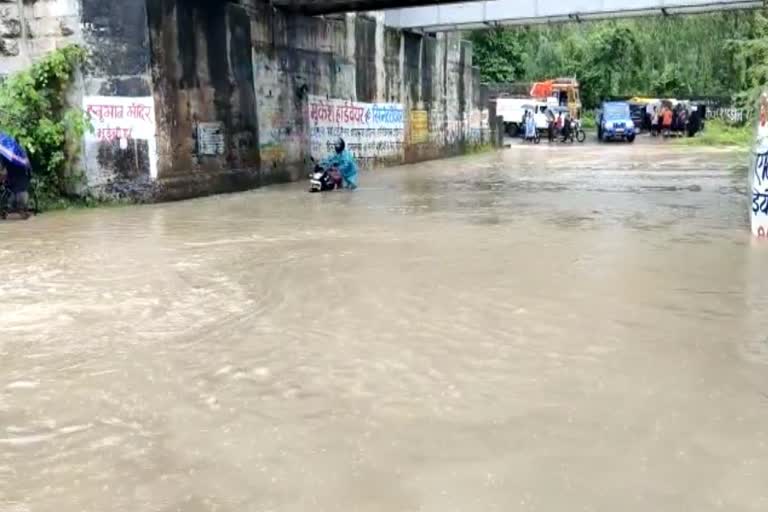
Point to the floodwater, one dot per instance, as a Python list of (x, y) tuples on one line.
[(543, 329)]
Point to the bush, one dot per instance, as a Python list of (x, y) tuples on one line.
[(588, 121), (33, 108)]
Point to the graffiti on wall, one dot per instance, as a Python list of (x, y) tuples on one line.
[(456, 130), (419, 127), (475, 127), (372, 131), (281, 133), (759, 175), (115, 117), (123, 119), (729, 115)]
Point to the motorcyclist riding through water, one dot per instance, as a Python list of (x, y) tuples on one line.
[(343, 160)]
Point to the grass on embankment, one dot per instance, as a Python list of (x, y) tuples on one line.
[(718, 133), (588, 121)]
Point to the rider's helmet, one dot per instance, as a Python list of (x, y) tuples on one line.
[(339, 145)]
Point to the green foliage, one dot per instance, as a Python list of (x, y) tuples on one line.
[(752, 52), (610, 63), (720, 133), (712, 55), (499, 52), (671, 83), (33, 108), (588, 121)]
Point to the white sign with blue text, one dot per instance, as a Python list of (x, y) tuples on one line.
[(759, 174), (372, 131)]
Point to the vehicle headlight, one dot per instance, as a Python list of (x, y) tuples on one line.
[(631, 125), (609, 125)]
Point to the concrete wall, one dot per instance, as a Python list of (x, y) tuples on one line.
[(117, 38), (31, 28), (227, 88), (357, 58), (204, 88), (294, 57)]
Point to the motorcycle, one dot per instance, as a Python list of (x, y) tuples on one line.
[(323, 179), (578, 132), (24, 205), (575, 133)]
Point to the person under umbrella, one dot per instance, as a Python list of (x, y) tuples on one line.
[(18, 175), (530, 126)]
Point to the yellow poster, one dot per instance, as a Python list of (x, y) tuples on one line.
[(419, 127)]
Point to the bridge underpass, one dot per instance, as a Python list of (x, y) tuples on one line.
[(317, 7), (484, 14)]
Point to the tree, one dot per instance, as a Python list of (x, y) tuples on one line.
[(670, 83), (612, 63), (498, 54), (752, 52), (655, 56)]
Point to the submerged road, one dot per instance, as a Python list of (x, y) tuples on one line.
[(548, 329)]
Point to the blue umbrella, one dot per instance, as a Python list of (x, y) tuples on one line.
[(12, 152)]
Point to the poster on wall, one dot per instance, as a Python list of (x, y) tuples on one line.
[(372, 131), (419, 126), (123, 119), (210, 139), (759, 174)]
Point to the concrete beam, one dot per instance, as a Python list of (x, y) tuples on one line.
[(479, 15), (316, 7)]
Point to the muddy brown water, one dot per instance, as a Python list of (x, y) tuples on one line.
[(549, 329)]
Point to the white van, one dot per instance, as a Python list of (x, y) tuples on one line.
[(513, 110)]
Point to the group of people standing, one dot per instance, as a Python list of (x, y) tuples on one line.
[(667, 120), (557, 124)]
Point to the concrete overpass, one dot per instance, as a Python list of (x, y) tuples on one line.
[(316, 7), (484, 14)]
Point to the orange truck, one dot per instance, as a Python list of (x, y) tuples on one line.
[(564, 92)]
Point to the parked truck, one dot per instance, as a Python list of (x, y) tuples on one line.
[(563, 92), (513, 110)]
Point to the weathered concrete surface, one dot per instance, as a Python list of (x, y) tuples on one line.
[(32, 28), (356, 58), (497, 13), (545, 329), (314, 7), (202, 62), (116, 36), (229, 84)]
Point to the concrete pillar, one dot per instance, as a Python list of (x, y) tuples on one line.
[(759, 174)]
